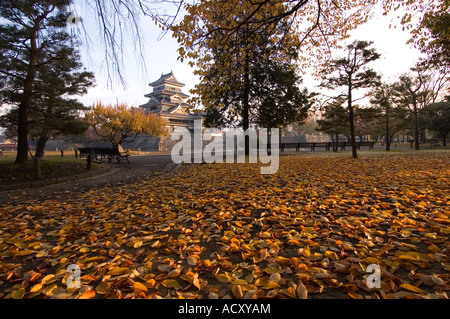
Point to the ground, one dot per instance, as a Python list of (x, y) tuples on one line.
[(52, 166), (316, 229)]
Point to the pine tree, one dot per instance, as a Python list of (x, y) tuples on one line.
[(352, 73), (34, 41)]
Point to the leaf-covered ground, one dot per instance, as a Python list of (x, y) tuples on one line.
[(226, 231)]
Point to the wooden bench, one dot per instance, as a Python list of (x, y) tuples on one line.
[(326, 145), (369, 144), (99, 153)]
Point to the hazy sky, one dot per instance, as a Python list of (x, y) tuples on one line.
[(161, 57)]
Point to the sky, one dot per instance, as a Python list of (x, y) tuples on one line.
[(161, 57)]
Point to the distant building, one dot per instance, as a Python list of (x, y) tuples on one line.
[(168, 101)]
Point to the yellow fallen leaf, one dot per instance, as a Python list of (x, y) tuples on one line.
[(223, 278), (47, 279), (283, 261), (332, 255), (206, 263), (116, 271), (139, 286), (239, 282), (170, 283), (271, 285), (36, 288), (407, 257), (85, 249), (290, 292), (103, 288), (371, 260), (137, 243), (18, 294), (174, 273), (237, 291), (24, 252), (196, 282), (412, 288)]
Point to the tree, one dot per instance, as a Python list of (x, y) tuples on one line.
[(321, 25), (27, 32), (52, 112), (409, 92), (121, 124), (431, 34), (334, 121), (253, 80), (352, 73), (391, 117), (439, 119), (280, 102)]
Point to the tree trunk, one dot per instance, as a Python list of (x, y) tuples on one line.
[(416, 125), (245, 103), (40, 147), (37, 168), (444, 139), (388, 135), (351, 119), (22, 121), (335, 143)]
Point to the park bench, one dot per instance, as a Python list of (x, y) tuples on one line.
[(369, 144), (326, 145), (99, 153)]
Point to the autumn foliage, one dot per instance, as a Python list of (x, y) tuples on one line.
[(119, 123), (224, 230)]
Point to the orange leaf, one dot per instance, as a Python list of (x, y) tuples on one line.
[(139, 286), (412, 288), (354, 295), (87, 295), (37, 288)]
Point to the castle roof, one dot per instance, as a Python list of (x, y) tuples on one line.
[(168, 78)]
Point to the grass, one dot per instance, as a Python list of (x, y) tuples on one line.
[(52, 166)]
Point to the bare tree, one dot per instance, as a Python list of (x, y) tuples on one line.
[(119, 21)]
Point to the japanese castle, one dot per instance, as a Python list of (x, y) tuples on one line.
[(168, 101)]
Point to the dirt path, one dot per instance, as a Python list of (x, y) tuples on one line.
[(139, 166)]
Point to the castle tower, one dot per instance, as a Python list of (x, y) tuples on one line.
[(168, 100)]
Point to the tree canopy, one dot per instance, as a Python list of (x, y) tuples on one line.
[(32, 41), (120, 123), (352, 73)]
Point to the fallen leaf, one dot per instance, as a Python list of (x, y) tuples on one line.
[(271, 285), (412, 288), (87, 295), (171, 283), (223, 278), (139, 286), (302, 292), (18, 294)]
